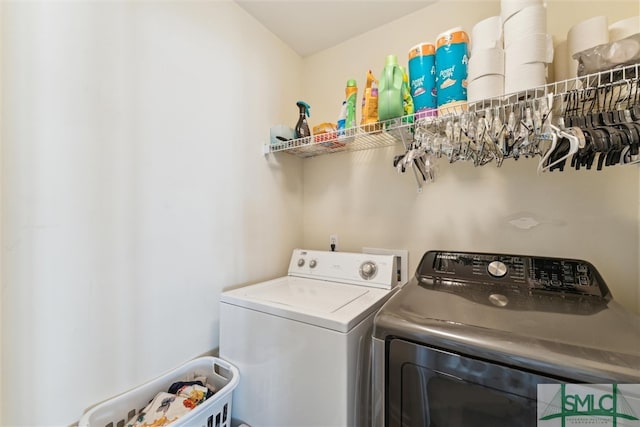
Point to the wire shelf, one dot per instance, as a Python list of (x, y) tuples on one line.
[(563, 87), (390, 132), (364, 137)]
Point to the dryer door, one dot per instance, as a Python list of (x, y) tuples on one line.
[(434, 388)]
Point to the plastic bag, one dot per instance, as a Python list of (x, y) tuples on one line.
[(609, 56)]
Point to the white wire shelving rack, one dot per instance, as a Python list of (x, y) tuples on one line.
[(391, 132), (364, 137)]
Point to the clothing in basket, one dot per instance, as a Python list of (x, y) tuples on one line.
[(167, 407)]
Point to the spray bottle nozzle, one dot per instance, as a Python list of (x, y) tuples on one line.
[(304, 108)]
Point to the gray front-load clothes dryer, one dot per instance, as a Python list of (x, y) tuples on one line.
[(468, 340)]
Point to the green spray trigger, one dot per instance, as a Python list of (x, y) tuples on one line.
[(304, 108)]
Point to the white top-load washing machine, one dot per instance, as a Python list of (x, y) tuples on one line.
[(302, 342)]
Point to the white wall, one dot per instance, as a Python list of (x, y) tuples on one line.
[(134, 190), (587, 214), (1, 240)]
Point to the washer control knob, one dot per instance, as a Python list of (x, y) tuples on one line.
[(300, 262), (313, 263), (368, 270), (497, 269)]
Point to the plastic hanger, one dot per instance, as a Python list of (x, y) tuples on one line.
[(574, 146)]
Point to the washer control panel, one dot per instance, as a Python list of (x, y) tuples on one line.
[(372, 270), (368, 270), (516, 272)]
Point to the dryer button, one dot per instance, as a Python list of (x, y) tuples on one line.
[(497, 269)]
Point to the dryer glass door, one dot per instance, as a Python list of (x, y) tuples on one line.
[(434, 388)]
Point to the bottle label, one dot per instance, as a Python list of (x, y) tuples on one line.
[(451, 73), (351, 111), (422, 80)]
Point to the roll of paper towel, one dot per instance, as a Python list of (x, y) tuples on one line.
[(525, 76), (508, 8), (535, 48), (589, 33), (561, 62), (487, 34), (584, 35), (530, 20), (488, 86), (485, 61), (624, 28)]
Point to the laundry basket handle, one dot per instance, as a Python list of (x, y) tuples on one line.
[(229, 368)]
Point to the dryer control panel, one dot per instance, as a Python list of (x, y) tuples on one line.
[(516, 272)]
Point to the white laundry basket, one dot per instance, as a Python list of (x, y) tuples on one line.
[(213, 412)]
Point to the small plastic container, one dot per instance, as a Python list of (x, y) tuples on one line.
[(422, 77), (215, 411), (451, 68), (282, 131)]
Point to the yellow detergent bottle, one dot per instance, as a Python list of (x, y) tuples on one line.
[(370, 104)]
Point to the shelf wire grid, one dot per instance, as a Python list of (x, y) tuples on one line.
[(390, 132)]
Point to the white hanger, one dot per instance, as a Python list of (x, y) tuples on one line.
[(575, 144)]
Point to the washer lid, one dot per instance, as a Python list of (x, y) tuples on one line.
[(308, 295), (330, 305)]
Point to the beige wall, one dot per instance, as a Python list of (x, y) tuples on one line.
[(1, 269), (359, 196), (134, 190)]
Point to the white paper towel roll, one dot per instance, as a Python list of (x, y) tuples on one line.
[(534, 48), (485, 61), (561, 62), (530, 20), (584, 35), (525, 76), (589, 33), (624, 28), (487, 34), (508, 8), (488, 86)]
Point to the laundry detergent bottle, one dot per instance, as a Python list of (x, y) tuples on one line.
[(351, 94), (370, 103), (390, 101), (407, 101)]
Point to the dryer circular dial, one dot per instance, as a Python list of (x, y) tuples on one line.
[(497, 269), (300, 262), (313, 263), (368, 270), (498, 300)]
